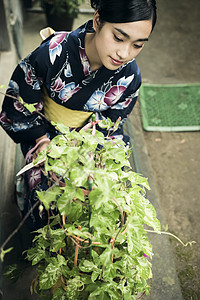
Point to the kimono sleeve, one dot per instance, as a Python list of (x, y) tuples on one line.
[(27, 78), (122, 109)]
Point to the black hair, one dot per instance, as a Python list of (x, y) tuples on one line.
[(123, 11)]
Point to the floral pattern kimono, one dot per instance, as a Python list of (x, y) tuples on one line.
[(61, 66)]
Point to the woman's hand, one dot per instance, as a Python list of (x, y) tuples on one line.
[(42, 146)]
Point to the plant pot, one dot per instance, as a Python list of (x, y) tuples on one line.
[(58, 21)]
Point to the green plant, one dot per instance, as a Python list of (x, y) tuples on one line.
[(58, 7), (95, 245)]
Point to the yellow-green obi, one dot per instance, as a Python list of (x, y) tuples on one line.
[(58, 113)]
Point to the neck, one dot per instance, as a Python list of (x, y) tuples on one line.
[(90, 50)]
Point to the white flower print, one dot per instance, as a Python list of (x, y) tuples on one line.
[(68, 71), (96, 102), (67, 92), (125, 81)]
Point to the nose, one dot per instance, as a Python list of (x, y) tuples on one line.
[(123, 52)]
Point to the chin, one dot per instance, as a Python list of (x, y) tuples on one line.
[(111, 67), (107, 63)]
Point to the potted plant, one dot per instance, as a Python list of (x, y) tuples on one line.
[(60, 14), (95, 244)]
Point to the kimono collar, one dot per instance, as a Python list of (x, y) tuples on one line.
[(86, 83)]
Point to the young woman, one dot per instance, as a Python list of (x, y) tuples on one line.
[(72, 75)]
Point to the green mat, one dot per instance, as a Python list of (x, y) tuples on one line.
[(170, 107)]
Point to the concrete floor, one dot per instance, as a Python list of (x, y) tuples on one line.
[(172, 56)]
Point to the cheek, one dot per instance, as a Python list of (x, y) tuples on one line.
[(105, 40), (103, 45), (137, 51)]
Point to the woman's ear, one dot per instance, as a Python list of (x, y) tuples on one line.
[(96, 20)]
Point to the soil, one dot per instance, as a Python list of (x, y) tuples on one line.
[(172, 56), (174, 159)]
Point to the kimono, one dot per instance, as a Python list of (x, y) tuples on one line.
[(60, 65)]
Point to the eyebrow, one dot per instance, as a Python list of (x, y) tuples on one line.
[(128, 36)]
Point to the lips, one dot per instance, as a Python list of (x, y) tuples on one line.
[(116, 62)]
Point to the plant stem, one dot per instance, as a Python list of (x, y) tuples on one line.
[(77, 238), (13, 97), (19, 226), (76, 250), (122, 216), (174, 236)]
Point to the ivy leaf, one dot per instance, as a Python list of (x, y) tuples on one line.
[(69, 273), (96, 198), (103, 218), (35, 255), (106, 256), (51, 195), (135, 232), (4, 252), (72, 154), (56, 151), (57, 240), (64, 202), (107, 123), (150, 218), (92, 287), (75, 135), (61, 260), (86, 279), (128, 295), (75, 177), (56, 166), (73, 285), (146, 246), (12, 272), (110, 272), (99, 294), (21, 100), (106, 291), (143, 268), (41, 157), (79, 194), (137, 179), (114, 295), (60, 294), (95, 257), (126, 262), (50, 276), (30, 107), (71, 209), (95, 275), (61, 127), (87, 266), (116, 124), (56, 233)]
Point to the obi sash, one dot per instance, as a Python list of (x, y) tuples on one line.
[(58, 113)]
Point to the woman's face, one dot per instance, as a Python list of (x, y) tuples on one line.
[(118, 43)]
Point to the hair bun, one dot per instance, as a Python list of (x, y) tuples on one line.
[(120, 11), (95, 4)]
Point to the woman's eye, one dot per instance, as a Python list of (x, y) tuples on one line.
[(117, 39), (137, 46)]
